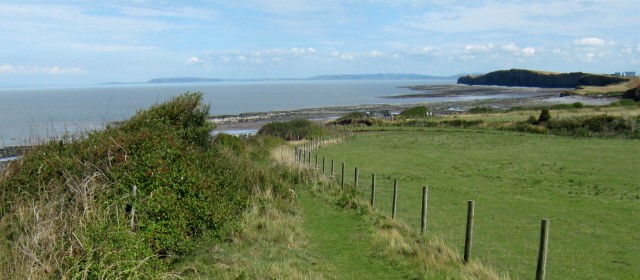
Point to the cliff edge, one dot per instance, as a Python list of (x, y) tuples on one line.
[(528, 78)]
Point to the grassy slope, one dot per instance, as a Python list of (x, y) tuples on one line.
[(588, 188), (616, 89)]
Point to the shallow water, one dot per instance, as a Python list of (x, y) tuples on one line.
[(30, 115)]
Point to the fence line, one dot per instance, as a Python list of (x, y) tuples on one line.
[(303, 156)]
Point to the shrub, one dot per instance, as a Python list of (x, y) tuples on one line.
[(355, 118), (186, 187), (230, 142), (482, 110), (292, 130), (415, 112), (544, 116)]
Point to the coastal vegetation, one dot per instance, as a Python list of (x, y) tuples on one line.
[(226, 207), (415, 112), (582, 83), (126, 202), (297, 129)]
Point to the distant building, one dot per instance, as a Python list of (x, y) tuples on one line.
[(625, 74)]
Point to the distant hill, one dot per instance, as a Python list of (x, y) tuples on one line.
[(382, 76), (182, 80), (385, 76), (529, 78)]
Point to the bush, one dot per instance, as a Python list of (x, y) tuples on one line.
[(186, 187), (230, 142), (292, 130), (544, 116), (415, 112), (482, 110), (355, 118)]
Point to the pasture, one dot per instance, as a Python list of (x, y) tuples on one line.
[(588, 188)]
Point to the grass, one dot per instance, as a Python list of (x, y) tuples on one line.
[(614, 90), (586, 187)]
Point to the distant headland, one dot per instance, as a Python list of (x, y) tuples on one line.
[(582, 83), (530, 78)]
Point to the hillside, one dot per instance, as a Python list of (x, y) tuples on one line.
[(529, 78)]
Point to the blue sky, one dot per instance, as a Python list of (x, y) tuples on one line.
[(86, 42)]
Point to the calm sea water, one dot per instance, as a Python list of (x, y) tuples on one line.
[(28, 115)]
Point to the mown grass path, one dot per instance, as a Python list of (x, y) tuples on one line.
[(339, 238)]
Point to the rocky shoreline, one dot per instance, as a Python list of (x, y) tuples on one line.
[(542, 97), (254, 121)]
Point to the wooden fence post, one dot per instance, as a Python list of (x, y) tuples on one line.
[(134, 191), (423, 221), (342, 177), (323, 166), (468, 240), (332, 169), (541, 270), (355, 180), (316, 161), (395, 199), (309, 158), (373, 190)]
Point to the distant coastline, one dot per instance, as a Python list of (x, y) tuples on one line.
[(341, 77)]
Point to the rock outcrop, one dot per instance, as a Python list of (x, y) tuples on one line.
[(528, 78)]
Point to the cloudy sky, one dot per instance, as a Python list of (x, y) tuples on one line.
[(85, 42)]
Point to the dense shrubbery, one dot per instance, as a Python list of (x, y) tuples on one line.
[(482, 110), (357, 118), (67, 205), (292, 130), (415, 112), (600, 126)]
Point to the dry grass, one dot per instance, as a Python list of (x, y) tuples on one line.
[(269, 244), (47, 228), (615, 89)]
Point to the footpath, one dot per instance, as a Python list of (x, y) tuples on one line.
[(340, 239)]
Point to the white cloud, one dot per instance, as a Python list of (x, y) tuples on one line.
[(528, 51), (343, 56), (516, 50), (192, 61), (478, 48), (375, 54), (257, 57), (590, 42), (54, 70)]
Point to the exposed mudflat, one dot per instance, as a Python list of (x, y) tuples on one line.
[(430, 91), (512, 97)]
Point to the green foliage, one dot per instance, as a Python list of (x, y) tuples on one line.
[(355, 118), (482, 110), (626, 102), (575, 105), (461, 123), (230, 142), (186, 187), (292, 130), (415, 112), (544, 116)]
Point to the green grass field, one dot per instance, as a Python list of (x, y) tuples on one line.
[(588, 188)]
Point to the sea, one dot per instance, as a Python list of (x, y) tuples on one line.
[(31, 115)]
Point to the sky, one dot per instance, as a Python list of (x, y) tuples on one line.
[(87, 42)]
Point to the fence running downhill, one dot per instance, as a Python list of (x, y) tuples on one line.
[(303, 155)]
